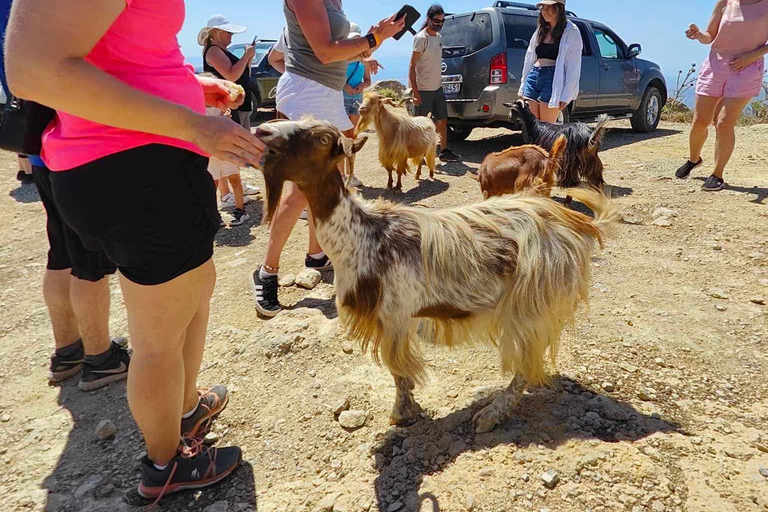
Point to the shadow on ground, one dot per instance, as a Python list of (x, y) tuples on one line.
[(761, 194), (546, 416), (102, 475), (25, 193)]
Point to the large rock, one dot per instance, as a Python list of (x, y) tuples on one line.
[(395, 85), (352, 419)]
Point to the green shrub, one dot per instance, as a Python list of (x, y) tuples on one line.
[(390, 93)]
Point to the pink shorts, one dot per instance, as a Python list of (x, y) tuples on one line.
[(717, 79)]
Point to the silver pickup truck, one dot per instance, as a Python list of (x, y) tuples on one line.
[(483, 53)]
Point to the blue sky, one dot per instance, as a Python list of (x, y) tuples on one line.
[(658, 25)]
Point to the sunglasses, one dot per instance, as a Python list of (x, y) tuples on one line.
[(436, 21)]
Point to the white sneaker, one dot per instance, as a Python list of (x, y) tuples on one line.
[(228, 201), (304, 215), (250, 190)]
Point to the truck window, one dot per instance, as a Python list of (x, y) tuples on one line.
[(609, 48), (587, 50), (467, 33), (519, 30)]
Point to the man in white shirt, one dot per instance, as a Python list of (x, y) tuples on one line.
[(426, 79)]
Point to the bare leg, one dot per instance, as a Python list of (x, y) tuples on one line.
[(291, 206), (56, 294), (534, 106), (25, 165), (223, 186), (406, 408), (90, 302), (501, 408), (314, 245), (546, 114), (703, 113), (726, 134), (194, 340), (237, 188), (161, 318)]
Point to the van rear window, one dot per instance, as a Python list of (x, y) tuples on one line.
[(466, 33)]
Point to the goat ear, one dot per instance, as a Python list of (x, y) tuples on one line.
[(349, 146)]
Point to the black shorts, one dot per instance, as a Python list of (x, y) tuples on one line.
[(152, 210), (433, 102), (66, 250)]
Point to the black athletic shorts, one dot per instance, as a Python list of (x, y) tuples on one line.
[(66, 249), (152, 210), (433, 102)]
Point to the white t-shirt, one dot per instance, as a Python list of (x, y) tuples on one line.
[(428, 73), (280, 45)]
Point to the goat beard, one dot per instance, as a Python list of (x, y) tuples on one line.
[(274, 179)]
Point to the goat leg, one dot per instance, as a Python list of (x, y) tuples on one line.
[(389, 181), (501, 408), (418, 170), (406, 408)]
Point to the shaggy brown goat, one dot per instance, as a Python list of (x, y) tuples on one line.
[(401, 138), (510, 270), (520, 168)]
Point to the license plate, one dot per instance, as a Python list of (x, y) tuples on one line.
[(451, 88)]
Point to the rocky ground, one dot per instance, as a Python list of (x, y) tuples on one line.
[(659, 402)]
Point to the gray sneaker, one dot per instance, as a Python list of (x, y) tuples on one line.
[(212, 402)]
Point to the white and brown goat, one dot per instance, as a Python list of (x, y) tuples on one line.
[(401, 137), (510, 270)]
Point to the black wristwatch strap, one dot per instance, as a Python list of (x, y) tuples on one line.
[(371, 40)]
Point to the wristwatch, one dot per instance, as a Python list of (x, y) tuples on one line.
[(371, 40)]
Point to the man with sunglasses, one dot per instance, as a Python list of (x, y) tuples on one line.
[(426, 79)]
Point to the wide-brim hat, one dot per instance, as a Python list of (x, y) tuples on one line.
[(550, 2), (220, 22)]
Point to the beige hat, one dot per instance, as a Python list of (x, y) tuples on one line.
[(551, 2), (220, 22)]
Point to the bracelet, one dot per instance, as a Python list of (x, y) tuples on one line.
[(378, 39)]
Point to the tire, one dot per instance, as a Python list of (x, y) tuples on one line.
[(255, 112), (459, 133), (647, 117)]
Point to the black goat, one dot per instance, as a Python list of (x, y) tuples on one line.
[(581, 161)]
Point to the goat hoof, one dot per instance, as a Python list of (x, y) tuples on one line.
[(406, 415), (487, 419)]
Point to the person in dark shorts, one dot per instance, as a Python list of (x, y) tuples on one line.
[(131, 125), (425, 76), (76, 291)]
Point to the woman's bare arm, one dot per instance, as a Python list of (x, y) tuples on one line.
[(313, 19), (713, 28), (221, 63), (276, 59), (45, 63)]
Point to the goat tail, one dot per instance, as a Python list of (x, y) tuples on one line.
[(596, 139), (606, 216)]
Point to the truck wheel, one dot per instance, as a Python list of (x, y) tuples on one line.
[(255, 112), (647, 117), (459, 133)]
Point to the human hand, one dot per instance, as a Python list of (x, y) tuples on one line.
[(366, 54), (218, 93), (693, 31), (223, 138), (388, 27), (416, 97), (372, 65), (250, 52), (350, 90), (742, 62)]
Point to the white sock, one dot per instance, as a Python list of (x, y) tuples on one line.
[(264, 274), (160, 468), (317, 256), (189, 414)]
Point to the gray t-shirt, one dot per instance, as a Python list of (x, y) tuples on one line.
[(428, 72), (301, 60)]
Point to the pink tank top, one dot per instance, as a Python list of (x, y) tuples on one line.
[(743, 28), (140, 49)]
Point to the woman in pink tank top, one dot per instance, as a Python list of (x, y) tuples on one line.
[(730, 77), (130, 126)]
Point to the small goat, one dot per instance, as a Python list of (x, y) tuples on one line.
[(520, 168), (581, 161), (401, 137), (511, 270)]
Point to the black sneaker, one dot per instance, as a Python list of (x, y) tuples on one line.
[(713, 184), (685, 170), (114, 369), (265, 294), (63, 368), (320, 265), (212, 402), (447, 155), (25, 178), (195, 467), (239, 216)]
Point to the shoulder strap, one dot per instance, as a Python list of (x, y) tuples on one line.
[(353, 73)]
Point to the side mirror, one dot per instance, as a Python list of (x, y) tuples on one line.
[(634, 50)]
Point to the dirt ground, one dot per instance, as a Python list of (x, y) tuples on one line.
[(660, 402)]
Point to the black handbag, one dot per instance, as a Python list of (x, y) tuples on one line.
[(22, 126)]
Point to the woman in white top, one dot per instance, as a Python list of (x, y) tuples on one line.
[(552, 68)]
